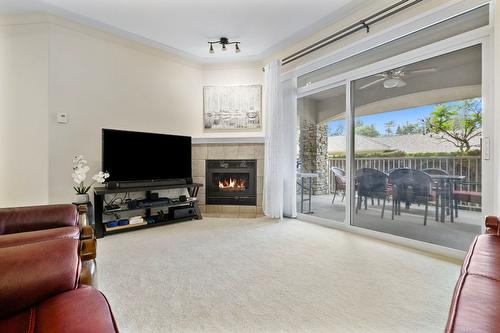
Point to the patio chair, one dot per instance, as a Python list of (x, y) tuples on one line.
[(410, 186), (371, 183), (439, 172), (340, 182)]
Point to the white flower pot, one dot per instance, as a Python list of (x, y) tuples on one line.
[(81, 198)]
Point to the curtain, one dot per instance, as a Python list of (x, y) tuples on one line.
[(289, 149), (279, 162)]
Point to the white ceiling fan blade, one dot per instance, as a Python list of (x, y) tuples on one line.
[(371, 83), (401, 83), (422, 70)]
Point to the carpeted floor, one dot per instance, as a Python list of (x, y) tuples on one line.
[(256, 275)]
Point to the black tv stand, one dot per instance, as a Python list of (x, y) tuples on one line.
[(100, 192)]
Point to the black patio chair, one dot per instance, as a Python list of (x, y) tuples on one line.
[(371, 183), (410, 186), (437, 188), (340, 182)]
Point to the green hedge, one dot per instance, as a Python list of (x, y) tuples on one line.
[(403, 154)]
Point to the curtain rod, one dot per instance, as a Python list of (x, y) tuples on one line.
[(360, 25)]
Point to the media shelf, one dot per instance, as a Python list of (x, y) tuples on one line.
[(100, 192)]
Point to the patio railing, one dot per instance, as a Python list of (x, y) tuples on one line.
[(468, 166)]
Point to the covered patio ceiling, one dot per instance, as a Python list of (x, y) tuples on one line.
[(457, 76)]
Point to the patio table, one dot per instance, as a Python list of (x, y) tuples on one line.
[(303, 176), (444, 191)]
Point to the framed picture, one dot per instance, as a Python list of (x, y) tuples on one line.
[(232, 107)]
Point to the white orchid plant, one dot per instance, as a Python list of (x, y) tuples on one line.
[(80, 169)]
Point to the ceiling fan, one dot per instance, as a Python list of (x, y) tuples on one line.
[(394, 77)]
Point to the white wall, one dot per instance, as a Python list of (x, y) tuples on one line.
[(103, 84), (23, 114)]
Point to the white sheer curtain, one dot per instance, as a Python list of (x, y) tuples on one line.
[(279, 162)]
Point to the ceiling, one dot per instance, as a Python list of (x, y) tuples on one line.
[(185, 26)]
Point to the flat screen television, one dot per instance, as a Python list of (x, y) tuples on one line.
[(141, 158)]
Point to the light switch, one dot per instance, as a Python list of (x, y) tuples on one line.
[(62, 118)]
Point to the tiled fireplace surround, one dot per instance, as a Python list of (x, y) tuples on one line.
[(229, 151)]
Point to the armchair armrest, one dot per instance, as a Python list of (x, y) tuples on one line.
[(86, 232), (22, 219), (33, 272), (492, 225)]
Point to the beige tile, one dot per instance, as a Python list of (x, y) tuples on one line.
[(259, 151), (259, 199), (199, 152), (259, 212), (247, 209), (230, 151), (201, 198), (213, 209), (260, 167), (198, 168), (202, 208), (200, 180), (246, 151), (215, 152), (228, 209), (260, 184)]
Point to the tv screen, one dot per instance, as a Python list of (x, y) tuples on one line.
[(137, 156)]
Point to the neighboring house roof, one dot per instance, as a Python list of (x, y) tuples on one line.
[(363, 143), (411, 143)]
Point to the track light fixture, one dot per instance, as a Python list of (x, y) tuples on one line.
[(224, 42)]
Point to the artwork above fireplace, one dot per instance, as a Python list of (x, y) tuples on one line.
[(231, 182)]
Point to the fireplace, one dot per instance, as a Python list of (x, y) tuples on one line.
[(231, 182)]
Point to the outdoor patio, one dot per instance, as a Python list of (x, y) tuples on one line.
[(409, 224)]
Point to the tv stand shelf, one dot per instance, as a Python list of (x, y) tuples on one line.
[(100, 192)]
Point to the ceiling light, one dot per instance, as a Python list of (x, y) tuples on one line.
[(223, 41), (391, 83)]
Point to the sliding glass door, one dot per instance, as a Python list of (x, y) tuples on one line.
[(417, 149), (321, 167), (394, 146)]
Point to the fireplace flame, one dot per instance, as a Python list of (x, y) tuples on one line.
[(232, 184)]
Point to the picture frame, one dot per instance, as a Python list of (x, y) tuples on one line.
[(232, 107)]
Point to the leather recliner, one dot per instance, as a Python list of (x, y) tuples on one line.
[(40, 290), (25, 225)]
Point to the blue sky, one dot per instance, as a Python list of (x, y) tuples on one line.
[(400, 117)]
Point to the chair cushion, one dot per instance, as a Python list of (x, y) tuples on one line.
[(22, 219), (81, 310), (33, 272), (39, 236), (468, 196)]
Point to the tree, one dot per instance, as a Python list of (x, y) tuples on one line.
[(410, 128), (457, 123), (338, 131), (388, 127), (366, 130)]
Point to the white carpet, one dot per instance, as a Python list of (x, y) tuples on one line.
[(255, 275)]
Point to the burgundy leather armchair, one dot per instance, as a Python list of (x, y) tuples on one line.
[(26, 225), (40, 290), (476, 301)]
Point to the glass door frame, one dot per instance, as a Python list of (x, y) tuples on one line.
[(481, 36)]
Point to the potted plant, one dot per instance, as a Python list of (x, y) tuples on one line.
[(80, 169)]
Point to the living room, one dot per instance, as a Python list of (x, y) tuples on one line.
[(221, 166)]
